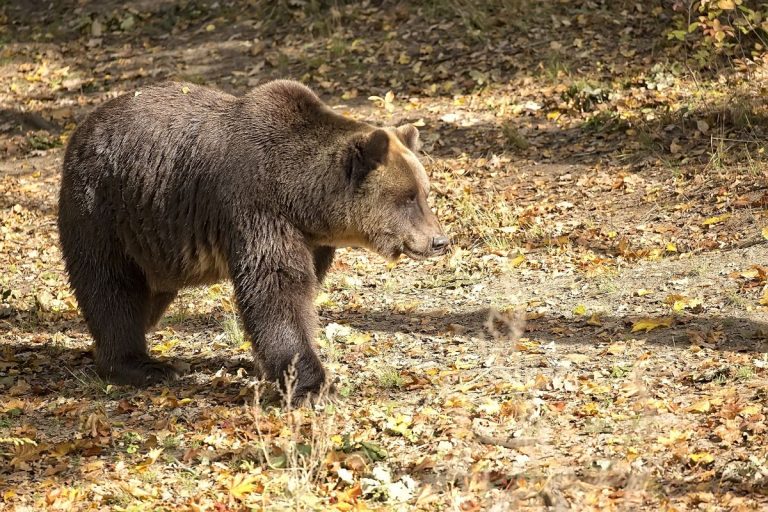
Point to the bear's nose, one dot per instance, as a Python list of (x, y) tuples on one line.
[(440, 243)]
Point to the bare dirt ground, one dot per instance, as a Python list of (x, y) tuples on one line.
[(596, 340)]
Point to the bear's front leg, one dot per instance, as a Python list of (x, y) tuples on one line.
[(274, 289)]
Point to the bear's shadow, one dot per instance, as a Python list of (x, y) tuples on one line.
[(63, 362)]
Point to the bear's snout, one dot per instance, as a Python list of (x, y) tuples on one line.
[(440, 244)]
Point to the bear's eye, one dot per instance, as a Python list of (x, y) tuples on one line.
[(412, 198)]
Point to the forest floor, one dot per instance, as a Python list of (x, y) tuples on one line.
[(596, 340)]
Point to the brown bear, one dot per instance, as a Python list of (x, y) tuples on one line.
[(179, 185)]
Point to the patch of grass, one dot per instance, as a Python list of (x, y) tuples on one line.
[(498, 243), (554, 67), (390, 284), (43, 141), (514, 138), (346, 389), (149, 476), (179, 316), (718, 155), (734, 299), (607, 285), (599, 426), (584, 96), (605, 121), (131, 441), (300, 449), (745, 372), (620, 371), (321, 17), (92, 382), (118, 498), (195, 79), (476, 16), (172, 442), (233, 330), (485, 220), (388, 377)]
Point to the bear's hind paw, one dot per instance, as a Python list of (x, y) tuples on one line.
[(142, 373)]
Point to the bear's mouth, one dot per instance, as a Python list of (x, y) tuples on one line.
[(416, 255)]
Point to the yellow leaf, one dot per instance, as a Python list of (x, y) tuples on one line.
[(764, 298), (464, 365), (717, 219), (681, 302), (726, 4), (595, 320), (358, 338), (593, 388), (675, 436), (399, 424), (210, 27), (407, 307), (671, 247), (580, 310), (151, 458), (165, 347), (700, 406), (185, 90), (517, 260), (750, 410), (323, 299), (765, 232), (490, 407), (751, 273), (643, 292), (702, 458), (242, 485), (577, 358), (133, 488), (649, 324)]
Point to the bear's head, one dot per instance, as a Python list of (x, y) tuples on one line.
[(389, 188)]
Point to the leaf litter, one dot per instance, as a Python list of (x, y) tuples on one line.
[(595, 341)]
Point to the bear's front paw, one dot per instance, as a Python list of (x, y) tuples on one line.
[(311, 392)]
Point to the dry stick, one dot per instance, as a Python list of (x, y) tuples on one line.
[(511, 443), (751, 243)]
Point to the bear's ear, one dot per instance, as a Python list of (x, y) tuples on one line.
[(368, 153), (409, 135)]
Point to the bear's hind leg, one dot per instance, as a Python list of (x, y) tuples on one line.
[(115, 300), (323, 257)]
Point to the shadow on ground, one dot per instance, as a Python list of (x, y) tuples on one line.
[(735, 335)]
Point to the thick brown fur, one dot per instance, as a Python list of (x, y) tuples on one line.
[(179, 185)]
